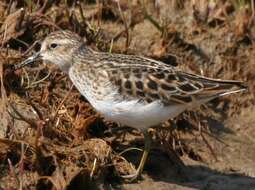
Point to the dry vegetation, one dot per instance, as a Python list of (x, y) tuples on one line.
[(50, 137)]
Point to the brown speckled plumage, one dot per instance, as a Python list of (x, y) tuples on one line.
[(150, 80)]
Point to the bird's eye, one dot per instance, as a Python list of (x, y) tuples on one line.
[(53, 45)]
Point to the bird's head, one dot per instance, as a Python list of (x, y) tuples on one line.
[(56, 48)]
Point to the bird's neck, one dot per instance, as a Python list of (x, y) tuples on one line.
[(84, 49)]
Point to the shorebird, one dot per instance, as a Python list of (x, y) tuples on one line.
[(128, 89)]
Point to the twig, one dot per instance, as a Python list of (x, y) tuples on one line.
[(13, 173), (152, 20), (50, 179), (47, 4), (125, 24), (93, 168), (62, 102), (30, 47), (129, 149), (31, 122), (11, 142), (204, 139), (38, 112), (21, 166), (81, 13), (39, 81), (253, 12), (99, 12)]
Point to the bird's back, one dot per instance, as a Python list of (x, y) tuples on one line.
[(119, 81)]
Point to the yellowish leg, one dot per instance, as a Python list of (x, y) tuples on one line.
[(147, 147)]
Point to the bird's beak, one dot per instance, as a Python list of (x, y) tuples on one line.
[(29, 60)]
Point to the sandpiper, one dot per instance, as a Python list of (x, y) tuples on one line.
[(128, 89)]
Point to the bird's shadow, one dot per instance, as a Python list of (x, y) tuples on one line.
[(162, 170)]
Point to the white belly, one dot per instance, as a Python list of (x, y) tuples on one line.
[(132, 113), (137, 114)]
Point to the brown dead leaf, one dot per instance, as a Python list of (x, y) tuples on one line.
[(90, 157), (61, 178), (82, 124), (242, 21), (13, 26), (5, 118), (2, 9), (219, 11), (200, 9), (122, 166)]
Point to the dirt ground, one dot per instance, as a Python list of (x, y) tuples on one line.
[(51, 138)]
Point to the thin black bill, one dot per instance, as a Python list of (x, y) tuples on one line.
[(29, 60)]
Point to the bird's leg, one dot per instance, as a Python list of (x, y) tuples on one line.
[(147, 147)]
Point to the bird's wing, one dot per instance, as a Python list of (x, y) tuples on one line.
[(155, 80)]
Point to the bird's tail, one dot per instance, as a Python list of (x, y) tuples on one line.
[(213, 88), (226, 87)]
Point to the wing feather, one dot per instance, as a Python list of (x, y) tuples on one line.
[(149, 80)]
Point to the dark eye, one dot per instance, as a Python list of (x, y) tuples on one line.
[(53, 45)]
